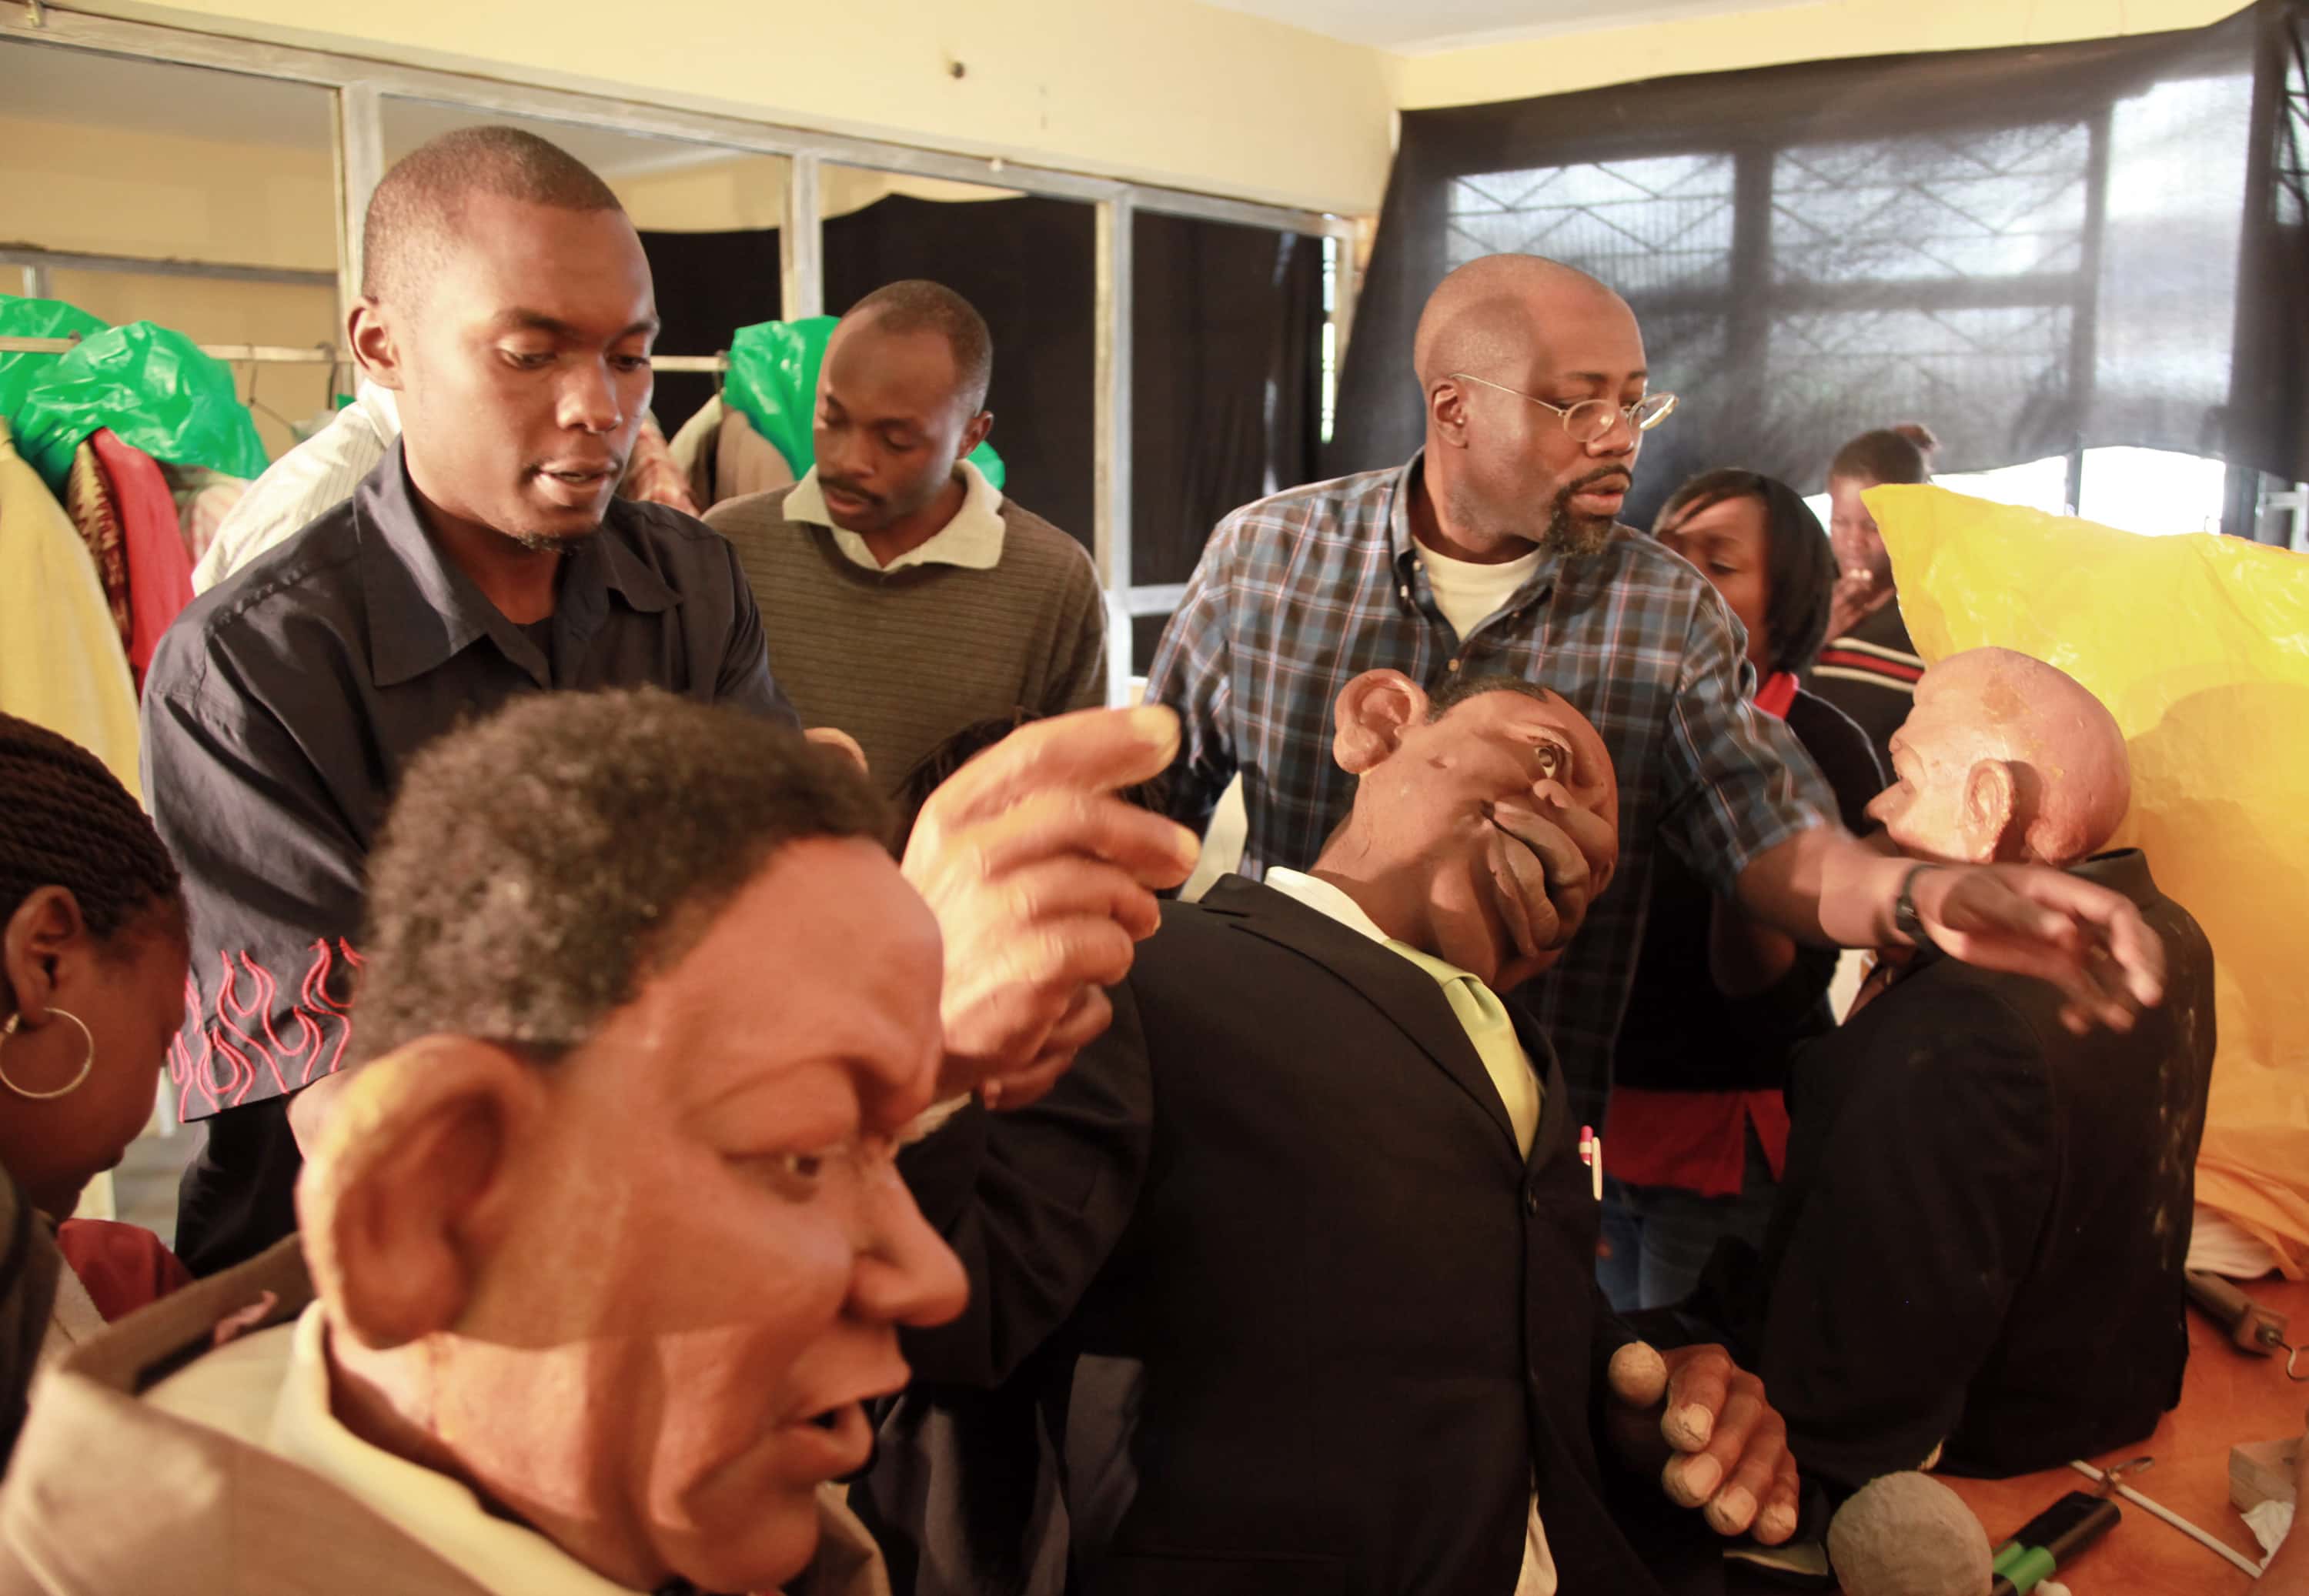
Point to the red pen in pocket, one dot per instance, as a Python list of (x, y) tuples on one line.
[(1591, 1153)]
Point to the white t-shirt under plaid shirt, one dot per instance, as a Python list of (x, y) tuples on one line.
[(1298, 594)]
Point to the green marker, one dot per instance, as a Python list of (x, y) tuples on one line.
[(2050, 1538)]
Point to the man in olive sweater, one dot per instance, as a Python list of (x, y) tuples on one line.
[(904, 598)]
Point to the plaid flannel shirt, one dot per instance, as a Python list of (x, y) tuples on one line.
[(1299, 592)]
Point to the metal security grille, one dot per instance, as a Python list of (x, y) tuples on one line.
[(1647, 226)]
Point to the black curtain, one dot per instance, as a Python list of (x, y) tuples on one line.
[(2033, 251), (1224, 395), (1030, 266), (1226, 385), (708, 286)]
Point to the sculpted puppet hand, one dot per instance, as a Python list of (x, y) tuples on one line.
[(1729, 1453), (2010, 764), (1042, 879)]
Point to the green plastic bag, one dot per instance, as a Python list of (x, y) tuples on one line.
[(152, 386), (773, 381), (35, 318)]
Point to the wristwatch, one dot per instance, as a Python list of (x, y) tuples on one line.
[(1905, 920)]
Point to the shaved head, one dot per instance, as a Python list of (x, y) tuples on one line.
[(2005, 757), (415, 212), (1500, 338), (507, 302), (916, 306), (1491, 316)]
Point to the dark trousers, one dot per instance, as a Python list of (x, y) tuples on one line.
[(239, 1194)]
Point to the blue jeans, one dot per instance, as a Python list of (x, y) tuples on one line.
[(1662, 1236)]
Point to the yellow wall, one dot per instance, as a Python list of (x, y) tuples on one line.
[(1772, 36), (179, 196), (1162, 91), (112, 191), (749, 191), (109, 191)]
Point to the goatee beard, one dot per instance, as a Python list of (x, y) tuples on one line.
[(554, 542), (1575, 537)]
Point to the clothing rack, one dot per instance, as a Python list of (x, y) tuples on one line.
[(273, 354)]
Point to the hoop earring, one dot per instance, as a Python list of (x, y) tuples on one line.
[(87, 1063)]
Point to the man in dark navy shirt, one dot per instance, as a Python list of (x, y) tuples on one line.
[(507, 303)]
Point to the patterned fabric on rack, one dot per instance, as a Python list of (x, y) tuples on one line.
[(653, 475), (87, 500), (160, 571), (203, 499), (61, 663)]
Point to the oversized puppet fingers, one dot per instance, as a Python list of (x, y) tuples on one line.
[(1553, 834), (1078, 1028), (1731, 1455), (2088, 941), (1041, 879), (1089, 750)]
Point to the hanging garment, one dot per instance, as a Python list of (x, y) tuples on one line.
[(204, 498), (693, 449), (314, 478), (88, 500), (160, 571), (61, 663), (653, 477), (745, 461), (726, 456)]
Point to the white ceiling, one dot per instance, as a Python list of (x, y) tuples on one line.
[(1420, 28)]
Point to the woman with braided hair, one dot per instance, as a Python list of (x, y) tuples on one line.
[(92, 965)]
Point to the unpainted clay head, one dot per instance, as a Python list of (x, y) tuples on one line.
[(2004, 759), (614, 1233), (1909, 1535), (1463, 801)]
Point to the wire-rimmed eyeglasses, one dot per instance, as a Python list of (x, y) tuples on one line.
[(1590, 419)]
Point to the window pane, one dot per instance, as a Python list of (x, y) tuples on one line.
[(1645, 227), (2006, 202), (2167, 290), (1822, 369), (2038, 485), (2153, 491)]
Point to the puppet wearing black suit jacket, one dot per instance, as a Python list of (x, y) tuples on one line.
[(1326, 1328)]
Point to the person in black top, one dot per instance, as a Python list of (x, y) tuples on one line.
[(1869, 666), (1696, 1128), (1978, 1249), (507, 302)]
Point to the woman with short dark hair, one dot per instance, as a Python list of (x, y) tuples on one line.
[(1697, 1131)]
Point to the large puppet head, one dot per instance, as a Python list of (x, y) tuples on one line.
[(611, 1230), (2004, 758), (1485, 820)]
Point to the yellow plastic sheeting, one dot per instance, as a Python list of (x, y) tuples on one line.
[(2199, 646)]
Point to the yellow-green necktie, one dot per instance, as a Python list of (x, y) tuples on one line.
[(1485, 1019)]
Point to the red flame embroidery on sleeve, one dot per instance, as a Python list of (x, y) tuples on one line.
[(226, 1059)]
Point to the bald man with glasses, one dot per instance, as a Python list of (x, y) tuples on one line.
[(1497, 550)]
